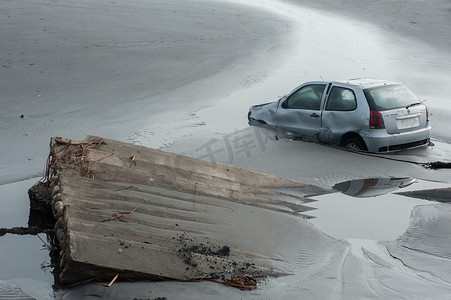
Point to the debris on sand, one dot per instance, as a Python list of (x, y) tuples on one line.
[(438, 165)]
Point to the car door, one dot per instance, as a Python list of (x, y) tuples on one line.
[(300, 112), (341, 113)]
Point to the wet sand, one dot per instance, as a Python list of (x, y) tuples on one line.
[(87, 67), (427, 21)]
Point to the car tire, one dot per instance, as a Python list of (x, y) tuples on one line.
[(354, 143)]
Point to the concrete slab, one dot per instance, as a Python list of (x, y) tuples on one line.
[(147, 214)]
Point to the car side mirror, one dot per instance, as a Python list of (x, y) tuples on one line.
[(284, 104)]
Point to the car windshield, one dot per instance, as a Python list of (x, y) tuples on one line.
[(390, 97)]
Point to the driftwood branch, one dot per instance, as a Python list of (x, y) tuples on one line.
[(122, 214), (112, 281), (105, 156)]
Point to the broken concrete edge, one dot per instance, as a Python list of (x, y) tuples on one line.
[(113, 275), (91, 272), (56, 205), (39, 196)]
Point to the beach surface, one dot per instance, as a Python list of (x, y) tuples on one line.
[(181, 75)]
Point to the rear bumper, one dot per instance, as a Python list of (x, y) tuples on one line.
[(379, 141)]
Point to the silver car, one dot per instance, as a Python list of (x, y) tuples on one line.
[(363, 114)]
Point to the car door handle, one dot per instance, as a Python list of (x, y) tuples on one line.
[(314, 115)]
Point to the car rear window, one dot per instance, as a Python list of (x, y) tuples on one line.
[(389, 97)]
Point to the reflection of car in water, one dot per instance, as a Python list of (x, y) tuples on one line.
[(364, 114), (373, 186)]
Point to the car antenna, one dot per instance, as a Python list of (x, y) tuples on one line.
[(322, 79)]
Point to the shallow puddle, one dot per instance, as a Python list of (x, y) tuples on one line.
[(374, 211), (24, 259), (371, 187)]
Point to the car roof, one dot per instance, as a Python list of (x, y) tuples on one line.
[(365, 83)]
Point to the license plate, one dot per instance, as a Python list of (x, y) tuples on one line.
[(408, 123)]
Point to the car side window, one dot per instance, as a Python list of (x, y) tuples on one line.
[(341, 99), (307, 97)]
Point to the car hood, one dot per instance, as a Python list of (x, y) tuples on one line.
[(264, 113)]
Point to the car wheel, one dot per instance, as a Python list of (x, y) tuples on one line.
[(354, 143)]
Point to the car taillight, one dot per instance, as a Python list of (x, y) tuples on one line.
[(427, 113), (376, 120)]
